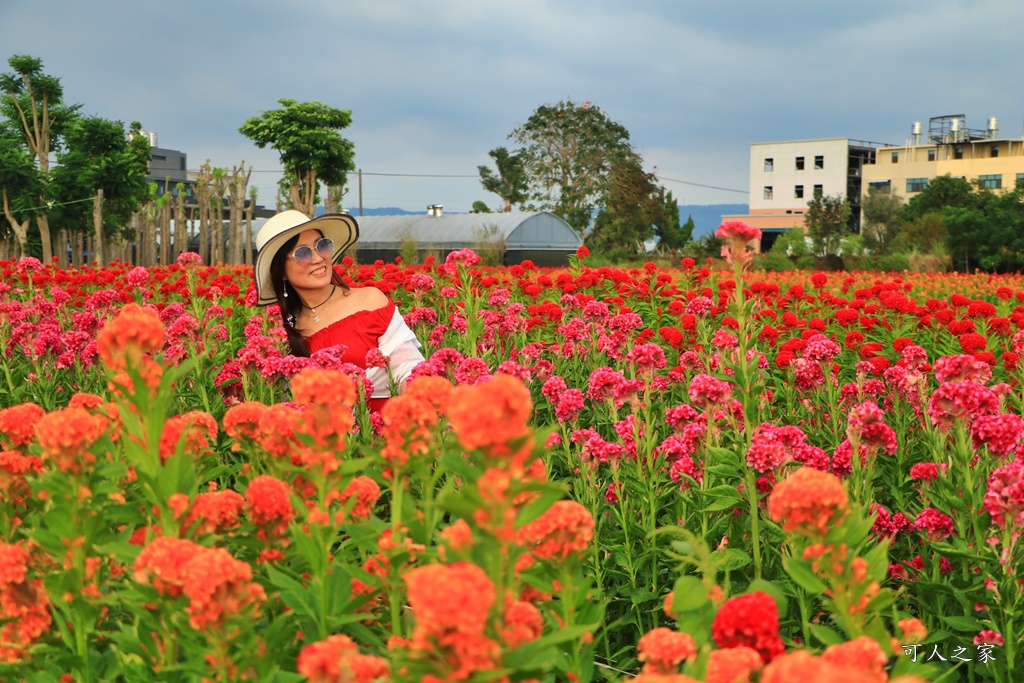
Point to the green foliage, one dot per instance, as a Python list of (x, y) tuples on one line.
[(306, 134), (827, 220), (941, 192), (480, 207), (409, 248), (569, 153), (632, 205), (927, 233), (510, 183), (882, 221), (489, 244), (773, 260), (792, 243), (705, 247), (98, 155)]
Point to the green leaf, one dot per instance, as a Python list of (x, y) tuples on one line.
[(688, 594), (802, 576), (826, 635)]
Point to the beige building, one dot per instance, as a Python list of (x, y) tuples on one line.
[(948, 148), (785, 176)]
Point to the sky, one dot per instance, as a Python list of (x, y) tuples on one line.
[(434, 85)]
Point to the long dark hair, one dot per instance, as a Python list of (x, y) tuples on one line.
[(291, 305)]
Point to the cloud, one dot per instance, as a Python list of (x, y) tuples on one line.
[(435, 84)]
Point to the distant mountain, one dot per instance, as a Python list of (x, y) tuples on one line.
[(707, 217)]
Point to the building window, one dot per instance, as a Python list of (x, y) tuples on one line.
[(819, 162), (769, 165), (882, 186), (994, 152), (931, 155), (767, 191), (991, 182), (916, 184), (798, 191), (799, 163), (818, 191), (895, 157), (958, 152)]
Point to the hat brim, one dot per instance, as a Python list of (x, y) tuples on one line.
[(341, 228)]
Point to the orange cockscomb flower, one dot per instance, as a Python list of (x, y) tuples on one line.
[(242, 422), (214, 512), (444, 598), (268, 501), (410, 421), (135, 330), (523, 623), (338, 660), (733, 665), (219, 586), (161, 564), (435, 390), (199, 430), (565, 529), (278, 432), (24, 604), (322, 386), (18, 424), (490, 415), (809, 501), (67, 435), (361, 494), (662, 650), (862, 653)]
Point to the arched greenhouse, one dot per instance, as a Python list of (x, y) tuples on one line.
[(538, 236)]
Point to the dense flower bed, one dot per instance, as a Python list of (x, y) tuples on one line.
[(599, 473)]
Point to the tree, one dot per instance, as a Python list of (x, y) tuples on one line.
[(827, 221), (671, 235), (19, 186), (99, 157), (34, 101), (632, 204), (511, 181), (312, 150), (480, 207), (882, 213), (940, 193), (988, 233), (569, 152)]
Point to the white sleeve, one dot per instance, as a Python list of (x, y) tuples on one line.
[(402, 349)]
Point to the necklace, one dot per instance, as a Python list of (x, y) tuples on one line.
[(312, 309)]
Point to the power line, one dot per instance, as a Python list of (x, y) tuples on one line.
[(710, 187), (53, 204)]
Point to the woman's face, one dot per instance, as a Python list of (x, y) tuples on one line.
[(315, 275)]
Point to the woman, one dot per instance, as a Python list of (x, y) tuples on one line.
[(294, 269)]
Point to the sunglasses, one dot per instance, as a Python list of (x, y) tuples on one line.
[(303, 256)]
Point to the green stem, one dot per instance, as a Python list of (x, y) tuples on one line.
[(755, 519)]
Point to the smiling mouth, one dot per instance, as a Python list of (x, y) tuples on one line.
[(319, 271)]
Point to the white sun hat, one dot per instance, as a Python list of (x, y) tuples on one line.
[(339, 227)]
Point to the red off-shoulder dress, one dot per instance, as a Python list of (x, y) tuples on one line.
[(359, 332)]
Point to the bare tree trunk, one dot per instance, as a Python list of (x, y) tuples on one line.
[(219, 190), (97, 226), (203, 191), (248, 226), (181, 236), (165, 232), (43, 221), (20, 229), (237, 185), (333, 201)]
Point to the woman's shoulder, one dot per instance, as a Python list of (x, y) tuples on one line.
[(367, 298)]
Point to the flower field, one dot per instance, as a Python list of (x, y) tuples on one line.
[(679, 475)]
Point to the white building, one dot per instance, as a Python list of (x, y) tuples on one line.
[(785, 176)]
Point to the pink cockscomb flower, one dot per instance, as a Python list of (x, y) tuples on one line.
[(937, 526), (1000, 433), (1004, 499)]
